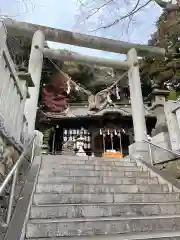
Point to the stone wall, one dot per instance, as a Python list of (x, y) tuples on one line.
[(13, 94), (13, 124), (173, 127), (8, 156)]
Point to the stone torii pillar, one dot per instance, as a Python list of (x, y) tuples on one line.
[(139, 148), (136, 97), (35, 69)]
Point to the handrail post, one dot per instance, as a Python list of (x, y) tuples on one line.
[(33, 150), (150, 150), (151, 154), (165, 149), (13, 175), (16, 165), (11, 198), (157, 146)]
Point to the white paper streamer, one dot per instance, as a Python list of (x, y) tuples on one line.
[(109, 98), (117, 93), (68, 87)]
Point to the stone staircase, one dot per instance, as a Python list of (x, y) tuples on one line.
[(101, 198)]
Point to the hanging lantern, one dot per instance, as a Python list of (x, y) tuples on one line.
[(108, 132), (115, 132), (100, 131)]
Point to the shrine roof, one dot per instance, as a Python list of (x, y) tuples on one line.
[(123, 110), (83, 111)]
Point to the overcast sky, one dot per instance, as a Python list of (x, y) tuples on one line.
[(62, 14)]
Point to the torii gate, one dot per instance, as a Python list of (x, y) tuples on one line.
[(42, 33)]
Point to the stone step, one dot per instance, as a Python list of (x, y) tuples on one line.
[(49, 166), (103, 210), (83, 158), (85, 173), (99, 180), (100, 188), (162, 235), (100, 226), (54, 198), (90, 168), (59, 158), (92, 162)]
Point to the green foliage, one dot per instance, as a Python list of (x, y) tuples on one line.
[(165, 72), (173, 95)]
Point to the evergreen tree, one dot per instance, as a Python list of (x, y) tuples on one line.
[(164, 73)]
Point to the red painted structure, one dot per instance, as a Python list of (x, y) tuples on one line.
[(54, 95)]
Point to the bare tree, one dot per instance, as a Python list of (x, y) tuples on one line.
[(18, 47), (112, 12)]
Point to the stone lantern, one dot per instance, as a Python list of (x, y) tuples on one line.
[(160, 134), (158, 98)]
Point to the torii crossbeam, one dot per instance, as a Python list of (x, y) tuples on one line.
[(24, 29)]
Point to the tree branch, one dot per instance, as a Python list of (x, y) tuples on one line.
[(98, 9), (161, 3), (132, 12), (168, 6)]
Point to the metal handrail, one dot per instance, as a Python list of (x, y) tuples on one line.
[(13, 174), (158, 146)]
